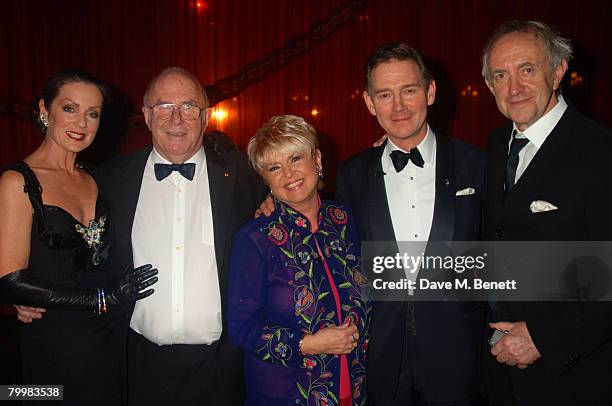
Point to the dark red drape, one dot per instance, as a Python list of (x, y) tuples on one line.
[(128, 42)]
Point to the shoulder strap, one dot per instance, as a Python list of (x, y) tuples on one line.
[(32, 186), (34, 190)]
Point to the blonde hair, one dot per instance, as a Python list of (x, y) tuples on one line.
[(280, 135)]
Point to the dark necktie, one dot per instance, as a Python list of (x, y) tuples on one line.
[(162, 171), (400, 159), (516, 146)]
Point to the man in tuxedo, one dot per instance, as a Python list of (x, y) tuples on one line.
[(177, 205), (553, 353), (410, 189)]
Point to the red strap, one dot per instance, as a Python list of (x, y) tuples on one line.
[(345, 381)]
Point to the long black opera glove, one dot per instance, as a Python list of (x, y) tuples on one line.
[(22, 288)]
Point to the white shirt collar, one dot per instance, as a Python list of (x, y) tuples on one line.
[(427, 148), (538, 131)]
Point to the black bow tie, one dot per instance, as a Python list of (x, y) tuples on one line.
[(162, 171), (400, 159)]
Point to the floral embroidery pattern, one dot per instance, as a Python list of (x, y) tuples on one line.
[(303, 301), (277, 233), (313, 301), (357, 386), (337, 215), (321, 399), (309, 363), (274, 349), (359, 279), (300, 222), (303, 256)]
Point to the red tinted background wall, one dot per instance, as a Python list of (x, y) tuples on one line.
[(127, 42)]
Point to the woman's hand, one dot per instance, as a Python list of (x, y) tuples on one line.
[(26, 314), (131, 285), (23, 287), (332, 340)]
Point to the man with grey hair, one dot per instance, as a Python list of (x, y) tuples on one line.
[(177, 205), (551, 352)]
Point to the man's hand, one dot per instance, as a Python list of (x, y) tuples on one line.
[(266, 207), (26, 314), (516, 348)]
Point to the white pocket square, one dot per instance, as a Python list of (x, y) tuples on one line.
[(465, 192), (538, 206)]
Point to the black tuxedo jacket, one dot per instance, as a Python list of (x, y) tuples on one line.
[(448, 334), (235, 193), (571, 170)]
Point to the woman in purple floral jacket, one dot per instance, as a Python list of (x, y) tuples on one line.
[(298, 304)]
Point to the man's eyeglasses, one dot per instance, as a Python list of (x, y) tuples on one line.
[(163, 111)]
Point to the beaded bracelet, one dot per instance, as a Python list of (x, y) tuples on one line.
[(104, 309), (99, 297)]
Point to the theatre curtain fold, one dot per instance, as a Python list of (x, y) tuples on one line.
[(127, 43)]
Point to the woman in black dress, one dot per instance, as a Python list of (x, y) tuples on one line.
[(53, 251)]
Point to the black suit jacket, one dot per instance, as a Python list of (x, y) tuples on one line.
[(571, 170), (235, 193), (448, 334)]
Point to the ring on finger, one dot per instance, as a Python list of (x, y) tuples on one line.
[(353, 339)]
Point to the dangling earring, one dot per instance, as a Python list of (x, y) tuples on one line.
[(320, 172), (44, 120)]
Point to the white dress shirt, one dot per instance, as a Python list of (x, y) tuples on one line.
[(411, 193), (537, 134), (173, 230)]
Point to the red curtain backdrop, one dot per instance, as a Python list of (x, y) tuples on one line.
[(127, 42)]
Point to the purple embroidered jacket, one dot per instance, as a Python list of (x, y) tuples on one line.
[(279, 291)]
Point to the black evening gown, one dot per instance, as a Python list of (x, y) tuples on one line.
[(79, 349)]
